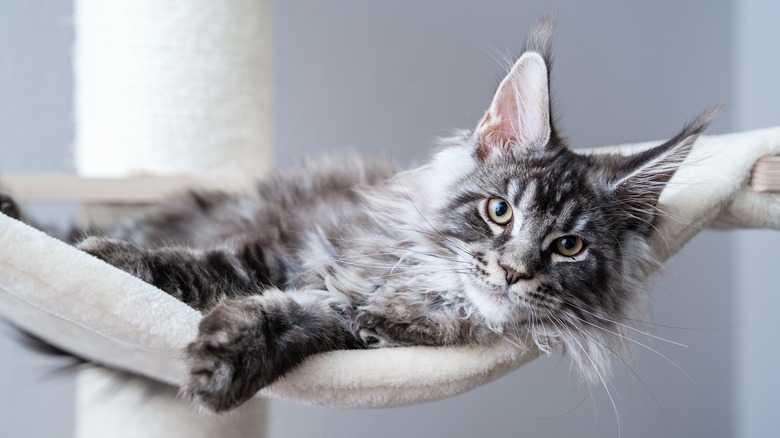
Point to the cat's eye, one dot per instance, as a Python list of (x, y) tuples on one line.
[(499, 211), (568, 246)]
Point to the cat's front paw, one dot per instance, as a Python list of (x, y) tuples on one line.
[(229, 361), (9, 207)]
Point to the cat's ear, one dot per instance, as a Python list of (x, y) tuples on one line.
[(519, 116), (637, 180)]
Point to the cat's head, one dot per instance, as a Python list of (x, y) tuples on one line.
[(556, 242)]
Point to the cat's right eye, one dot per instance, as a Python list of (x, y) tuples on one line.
[(499, 211)]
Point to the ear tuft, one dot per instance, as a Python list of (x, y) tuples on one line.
[(539, 38)]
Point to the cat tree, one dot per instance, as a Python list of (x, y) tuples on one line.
[(167, 89)]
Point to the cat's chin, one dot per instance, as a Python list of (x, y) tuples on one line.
[(493, 305)]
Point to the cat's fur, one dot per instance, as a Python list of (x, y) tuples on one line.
[(347, 254)]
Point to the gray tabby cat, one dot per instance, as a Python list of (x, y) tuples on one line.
[(505, 233)]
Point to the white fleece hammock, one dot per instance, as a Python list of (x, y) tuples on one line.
[(95, 311)]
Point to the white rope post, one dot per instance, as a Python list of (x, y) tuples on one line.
[(168, 87), (132, 407)]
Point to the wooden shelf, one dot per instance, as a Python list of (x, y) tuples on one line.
[(46, 187), (766, 175)]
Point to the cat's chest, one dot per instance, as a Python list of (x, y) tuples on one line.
[(383, 273)]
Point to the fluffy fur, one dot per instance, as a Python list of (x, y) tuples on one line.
[(477, 244)]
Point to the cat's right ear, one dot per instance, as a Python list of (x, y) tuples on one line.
[(518, 119)]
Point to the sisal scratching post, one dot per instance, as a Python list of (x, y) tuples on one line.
[(134, 407), (165, 87)]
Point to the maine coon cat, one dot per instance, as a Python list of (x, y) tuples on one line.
[(504, 233)]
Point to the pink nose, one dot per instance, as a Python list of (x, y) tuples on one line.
[(513, 276)]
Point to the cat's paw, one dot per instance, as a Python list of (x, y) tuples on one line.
[(9, 207), (229, 361)]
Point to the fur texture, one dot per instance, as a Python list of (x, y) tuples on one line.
[(505, 232)]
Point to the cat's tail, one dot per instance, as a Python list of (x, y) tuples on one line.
[(8, 206), (71, 363)]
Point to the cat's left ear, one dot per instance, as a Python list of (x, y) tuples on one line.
[(637, 180), (519, 116)]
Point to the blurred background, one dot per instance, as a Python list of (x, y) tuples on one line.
[(390, 77)]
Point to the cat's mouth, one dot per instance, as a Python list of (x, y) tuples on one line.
[(498, 304)]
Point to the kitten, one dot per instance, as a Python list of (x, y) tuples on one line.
[(504, 233)]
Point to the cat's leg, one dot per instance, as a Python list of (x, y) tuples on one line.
[(251, 336), (247, 343), (199, 278)]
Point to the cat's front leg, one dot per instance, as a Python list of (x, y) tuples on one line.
[(200, 278), (118, 253), (246, 343)]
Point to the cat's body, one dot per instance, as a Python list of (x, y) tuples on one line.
[(504, 233)]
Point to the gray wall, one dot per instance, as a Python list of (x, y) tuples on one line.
[(36, 129), (390, 77), (756, 260)]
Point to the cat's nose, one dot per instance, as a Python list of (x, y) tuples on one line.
[(513, 275)]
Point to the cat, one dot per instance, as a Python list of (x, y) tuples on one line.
[(505, 233)]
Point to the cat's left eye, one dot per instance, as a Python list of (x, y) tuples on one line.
[(568, 246), (499, 211)]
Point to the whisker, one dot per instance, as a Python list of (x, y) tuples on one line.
[(564, 327), (633, 372), (638, 343), (626, 326)]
